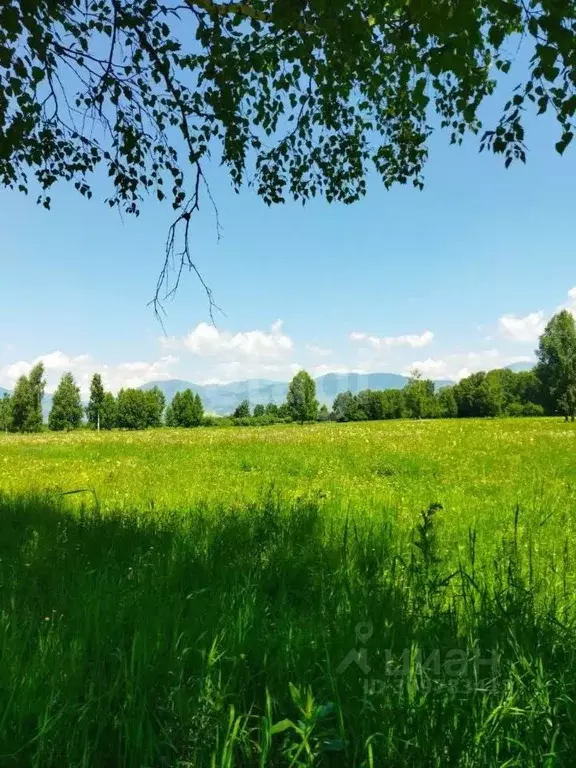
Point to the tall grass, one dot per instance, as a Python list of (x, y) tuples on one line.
[(278, 634)]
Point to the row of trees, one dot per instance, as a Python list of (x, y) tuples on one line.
[(550, 388), (130, 409), (496, 393), (139, 409), (301, 404), (185, 410), (22, 412), (499, 392)]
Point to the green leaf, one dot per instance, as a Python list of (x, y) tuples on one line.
[(496, 36), (564, 142), (10, 21), (282, 726), (295, 695)]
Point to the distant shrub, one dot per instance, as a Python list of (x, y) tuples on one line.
[(533, 409), (260, 421), (525, 409), (218, 421), (246, 421)]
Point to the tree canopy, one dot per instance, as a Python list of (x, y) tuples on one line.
[(185, 410), (301, 398), (108, 414), (67, 411), (242, 410), (96, 402), (5, 412), (298, 97), (557, 362), (139, 409), (419, 396), (26, 401)]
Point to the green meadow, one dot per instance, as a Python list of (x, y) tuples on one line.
[(366, 594)]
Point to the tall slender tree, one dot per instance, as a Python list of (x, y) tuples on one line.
[(37, 388), (109, 412), (156, 404), (169, 420), (22, 405), (66, 412), (199, 410), (419, 396), (96, 402), (242, 410), (5, 412), (556, 367), (301, 399)]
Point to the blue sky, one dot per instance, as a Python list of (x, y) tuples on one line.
[(457, 278)]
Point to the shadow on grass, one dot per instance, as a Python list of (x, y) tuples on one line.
[(274, 635)]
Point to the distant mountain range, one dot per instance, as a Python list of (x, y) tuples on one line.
[(223, 398), (520, 367)]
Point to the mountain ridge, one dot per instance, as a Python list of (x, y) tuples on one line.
[(520, 367), (223, 398)]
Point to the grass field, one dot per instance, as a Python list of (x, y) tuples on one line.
[(368, 594)]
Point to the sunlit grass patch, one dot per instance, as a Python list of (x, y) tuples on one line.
[(336, 595)]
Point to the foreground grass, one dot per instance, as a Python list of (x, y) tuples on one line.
[(325, 622)]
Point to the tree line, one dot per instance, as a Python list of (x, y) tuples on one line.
[(550, 388), (499, 392), (140, 409)]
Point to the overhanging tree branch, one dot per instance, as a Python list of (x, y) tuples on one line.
[(301, 97)]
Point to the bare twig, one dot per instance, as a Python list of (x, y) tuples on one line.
[(184, 256)]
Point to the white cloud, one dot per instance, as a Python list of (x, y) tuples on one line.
[(170, 342), (523, 329), (529, 328), (318, 350), (321, 370), (58, 361), (570, 305), (240, 370), (128, 374), (10, 374), (134, 374), (428, 367), (237, 356), (54, 362), (407, 340), (459, 365), (208, 341)]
